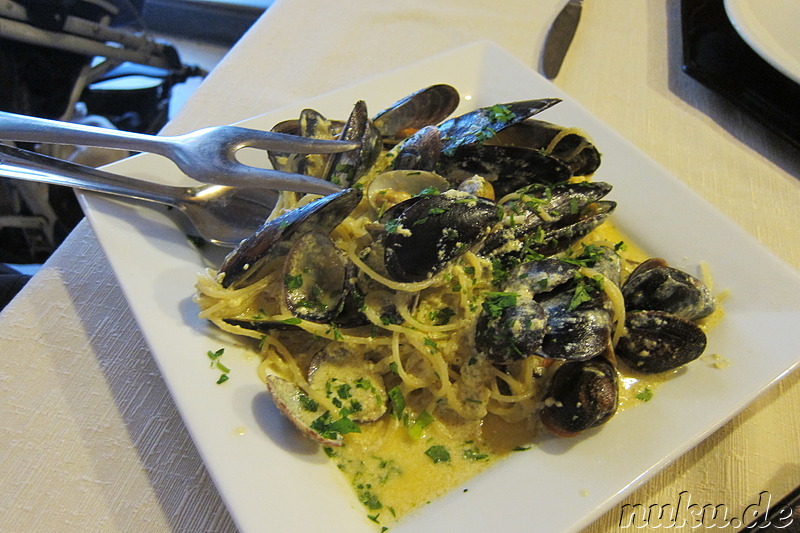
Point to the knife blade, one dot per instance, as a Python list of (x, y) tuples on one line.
[(559, 37)]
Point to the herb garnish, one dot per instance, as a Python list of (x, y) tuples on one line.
[(495, 302), (438, 454)]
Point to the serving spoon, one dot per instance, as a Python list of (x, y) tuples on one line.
[(220, 214)]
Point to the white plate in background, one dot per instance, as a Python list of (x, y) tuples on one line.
[(273, 480), (770, 28)]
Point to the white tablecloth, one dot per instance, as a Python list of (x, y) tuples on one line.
[(90, 438)]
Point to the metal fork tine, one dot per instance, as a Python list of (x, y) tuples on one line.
[(207, 155), (283, 142)]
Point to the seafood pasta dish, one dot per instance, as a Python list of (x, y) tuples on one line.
[(464, 292)]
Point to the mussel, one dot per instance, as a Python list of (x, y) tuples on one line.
[(276, 236), (580, 395), (656, 341), (663, 305), (654, 285), (547, 308), (426, 232), (544, 220)]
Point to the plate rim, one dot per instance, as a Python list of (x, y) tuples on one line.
[(764, 44)]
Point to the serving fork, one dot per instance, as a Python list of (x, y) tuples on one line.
[(207, 155)]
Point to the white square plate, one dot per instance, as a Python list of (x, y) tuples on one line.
[(272, 479)]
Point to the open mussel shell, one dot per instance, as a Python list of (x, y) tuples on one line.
[(606, 261), (580, 395), (351, 383), (569, 229), (655, 286), (346, 167), (548, 219), (299, 409), (656, 341), (276, 236), (425, 233), (508, 168), (421, 151), (317, 277), (518, 331), (425, 107), (481, 124), (311, 124), (573, 148)]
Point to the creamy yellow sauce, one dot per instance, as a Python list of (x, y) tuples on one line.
[(393, 473)]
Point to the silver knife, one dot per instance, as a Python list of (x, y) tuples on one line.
[(560, 37)]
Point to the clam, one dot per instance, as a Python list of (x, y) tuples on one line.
[(353, 384), (392, 187)]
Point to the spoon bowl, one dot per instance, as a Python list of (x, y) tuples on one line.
[(219, 214)]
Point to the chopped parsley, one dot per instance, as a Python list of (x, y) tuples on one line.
[(392, 225), (584, 290), (216, 363), (438, 454), (441, 317), (332, 429), (423, 420), (398, 402), (495, 303), (293, 282), (645, 395), (473, 454)]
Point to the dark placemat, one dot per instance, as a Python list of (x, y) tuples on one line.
[(716, 55)]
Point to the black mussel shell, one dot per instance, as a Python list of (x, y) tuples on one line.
[(513, 333), (606, 261), (570, 229), (575, 334), (317, 277), (541, 276), (481, 124), (579, 396), (507, 168), (421, 151), (311, 124), (575, 150), (425, 107), (425, 233), (346, 167), (656, 341), (261, 326), (276, 236), (655, 286), (547, 220)]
